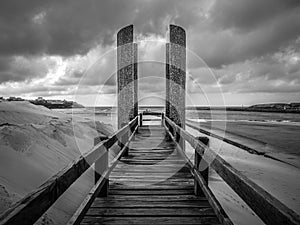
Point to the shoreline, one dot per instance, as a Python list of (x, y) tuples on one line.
[(243, 109)]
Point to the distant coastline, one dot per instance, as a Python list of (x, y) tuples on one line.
[(50, 104), (266, 107), (270, 107)]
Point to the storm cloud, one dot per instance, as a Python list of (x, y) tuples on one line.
[(242, 41)]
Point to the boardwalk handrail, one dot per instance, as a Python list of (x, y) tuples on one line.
[(94, 192), (267, 207), (30, 208)]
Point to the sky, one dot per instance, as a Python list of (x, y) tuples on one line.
[(239, 52)]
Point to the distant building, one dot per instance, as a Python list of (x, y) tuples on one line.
[(276, 107), (56, 104), (15, 99), (295, 104)]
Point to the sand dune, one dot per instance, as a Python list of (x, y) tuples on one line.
[(35, 143)]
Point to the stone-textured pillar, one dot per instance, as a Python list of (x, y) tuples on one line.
[(167, 80), (177, 74), (125, 77), (136, 106)]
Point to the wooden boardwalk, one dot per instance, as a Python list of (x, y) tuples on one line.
[(152, 185)]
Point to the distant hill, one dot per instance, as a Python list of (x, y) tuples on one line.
[(50, 104), (56, 104), (268, 107), (276, 107)]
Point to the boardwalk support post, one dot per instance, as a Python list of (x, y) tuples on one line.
[(203, 167), (101, 166), (124, 140), (141, 119)]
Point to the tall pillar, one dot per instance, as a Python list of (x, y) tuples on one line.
[(125, 75), (167, 80), (136, 106), (177, 74)]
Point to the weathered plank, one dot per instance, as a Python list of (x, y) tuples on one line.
[(135, 192), (153, 212), (152, 187), (179, 220), (150, 175)]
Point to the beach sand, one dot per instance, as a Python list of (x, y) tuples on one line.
[(36, 143)]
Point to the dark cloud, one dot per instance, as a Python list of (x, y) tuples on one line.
[(71, 27), (17, 69), (246, 15), (241, 30), (59, 27), (243, 40)]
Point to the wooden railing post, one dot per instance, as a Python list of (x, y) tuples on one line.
[(162, 119), (100, 166), (178, 138), (141, 119), (123, 140), (204, 167)]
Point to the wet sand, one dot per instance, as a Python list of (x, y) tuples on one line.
[(280, 140)]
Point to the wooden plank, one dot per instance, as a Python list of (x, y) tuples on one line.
[(151, 183), (150, 175), (152, 187), (150, 220), (156, 180), (108, 212), (141, 149), (161, 169), (154, 157), (135, 175), (167, 161), (153, 204), (129, 192), (147, 198)]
